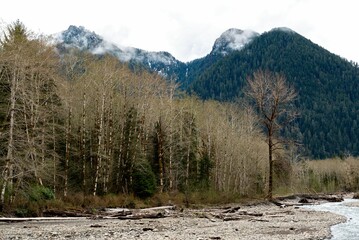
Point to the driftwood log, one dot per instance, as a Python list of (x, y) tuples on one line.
[(39, 219), (59, 213), (228, 214), (137, 216), (107, 213), (231, 210), (318, 197), (116, 212), (153, 212)]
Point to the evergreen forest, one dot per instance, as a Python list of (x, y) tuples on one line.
[(327, 86), (77, 127)]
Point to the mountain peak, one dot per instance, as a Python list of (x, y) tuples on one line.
[(79, 37), (283, 29), (233, 39)]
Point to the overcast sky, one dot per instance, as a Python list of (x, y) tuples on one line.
[(188, 28)]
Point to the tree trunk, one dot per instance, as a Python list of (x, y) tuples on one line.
[(29, 129), (160, 154), (99, 146), (54, 153), (170, 167), (127, 163), (109, 146), (120, 156), (10, 146), (188, 152), (83, 142), (270, 180), (67, 150)]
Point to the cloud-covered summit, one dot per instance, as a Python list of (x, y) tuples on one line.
[(77, 37), (233, 39)]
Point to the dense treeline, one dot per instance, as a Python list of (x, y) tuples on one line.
[(327, 86), (329, 175), (79, 123)]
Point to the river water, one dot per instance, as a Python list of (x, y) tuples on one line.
[(342, 231)]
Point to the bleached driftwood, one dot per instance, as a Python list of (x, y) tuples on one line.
[(159, 208), (133, 214), (14, 219)]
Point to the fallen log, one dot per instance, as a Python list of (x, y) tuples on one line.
[(159, 208), (259, 220), (142, 216), (239, 215), (317, 197), (116, 210), (40, 219), (59, 213), (210, 218), (324, 198), (251, 214), (234, 218), (124, 213), (120, 214), (231, 210)]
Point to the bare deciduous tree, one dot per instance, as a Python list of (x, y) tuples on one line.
[(28, 75), (272, 96)]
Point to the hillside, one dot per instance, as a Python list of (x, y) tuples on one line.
[(327, 85)]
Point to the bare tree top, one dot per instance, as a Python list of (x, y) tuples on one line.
[(271, 95)]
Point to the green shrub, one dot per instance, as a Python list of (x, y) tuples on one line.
[(22, 212), (38, 193), (29, 209), (144, 181)]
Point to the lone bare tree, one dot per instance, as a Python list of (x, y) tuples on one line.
[(272, 96)]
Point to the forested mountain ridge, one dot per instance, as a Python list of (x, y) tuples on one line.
[(327, 84), (77, 37)]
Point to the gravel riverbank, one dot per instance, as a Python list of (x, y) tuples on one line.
[(261, 221)]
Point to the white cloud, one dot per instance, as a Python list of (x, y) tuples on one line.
[(187, 29)]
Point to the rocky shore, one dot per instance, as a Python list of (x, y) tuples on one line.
[(258, 221)]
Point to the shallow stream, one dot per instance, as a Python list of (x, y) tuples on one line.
[(348, 229)]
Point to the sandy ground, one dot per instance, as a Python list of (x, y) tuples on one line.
[(276, 223)]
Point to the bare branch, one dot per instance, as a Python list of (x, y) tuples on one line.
[(271, 95)]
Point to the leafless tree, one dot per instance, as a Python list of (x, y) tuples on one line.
[(272, 97), (28, 75)]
